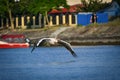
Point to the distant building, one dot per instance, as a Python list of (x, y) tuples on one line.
[(73, 2), (112, 10)]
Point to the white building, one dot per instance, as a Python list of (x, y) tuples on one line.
[(73, 2)]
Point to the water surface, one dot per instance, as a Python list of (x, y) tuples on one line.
[(56, 63)]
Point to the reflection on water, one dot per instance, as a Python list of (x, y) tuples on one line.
[(56, 63), (65, 62)]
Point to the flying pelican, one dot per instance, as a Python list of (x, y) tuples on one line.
[(54, 42)]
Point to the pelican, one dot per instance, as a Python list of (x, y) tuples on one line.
[(54, 42)]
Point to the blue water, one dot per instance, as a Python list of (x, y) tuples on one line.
[(56, 63)]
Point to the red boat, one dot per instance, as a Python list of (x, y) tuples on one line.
[(13, 41)]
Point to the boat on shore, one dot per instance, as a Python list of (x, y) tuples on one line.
[(13, 41)]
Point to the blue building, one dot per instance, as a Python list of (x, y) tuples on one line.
[(84, 18), (112, 11)]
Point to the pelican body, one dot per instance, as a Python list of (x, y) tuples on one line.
[(54, 42)]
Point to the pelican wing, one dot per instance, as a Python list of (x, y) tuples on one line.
[(67, 46), (37, 44), (40, 41)]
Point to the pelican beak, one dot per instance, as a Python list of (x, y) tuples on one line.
[(27, 40), (33, 48)]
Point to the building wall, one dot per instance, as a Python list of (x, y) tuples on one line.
[(112, 11), (73, 2), (27, 22)]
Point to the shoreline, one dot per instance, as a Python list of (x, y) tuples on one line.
[(91, 42), (94, 43), (101, 35)]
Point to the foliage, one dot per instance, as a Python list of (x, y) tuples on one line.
[(41, 6), (44, 6), (10, 8), (6, 7), (15, 7), (92, 5), (20, 8)]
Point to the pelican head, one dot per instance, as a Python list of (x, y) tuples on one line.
[(27, 40)]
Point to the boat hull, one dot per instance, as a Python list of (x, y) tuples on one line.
[(14, 45)]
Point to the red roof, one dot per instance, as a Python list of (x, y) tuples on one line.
[(72, 9), (54, 11)]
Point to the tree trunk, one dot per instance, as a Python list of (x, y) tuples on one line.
[(11, 19), (40, 16), (46, 17)]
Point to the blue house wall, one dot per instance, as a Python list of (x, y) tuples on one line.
[(112, 10), (84, 18), (102, 17)]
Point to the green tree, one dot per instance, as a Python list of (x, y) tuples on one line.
[(44, 6), (9, 8), (92, 5), (6, 9)]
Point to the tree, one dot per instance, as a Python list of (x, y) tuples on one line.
[(92, 5), (6, 7), (44, 6), (9, 8)]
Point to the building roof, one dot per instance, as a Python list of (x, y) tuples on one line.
[(72, 9)]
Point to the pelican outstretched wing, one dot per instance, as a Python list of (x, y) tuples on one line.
[(37, 44), (67, 46)]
